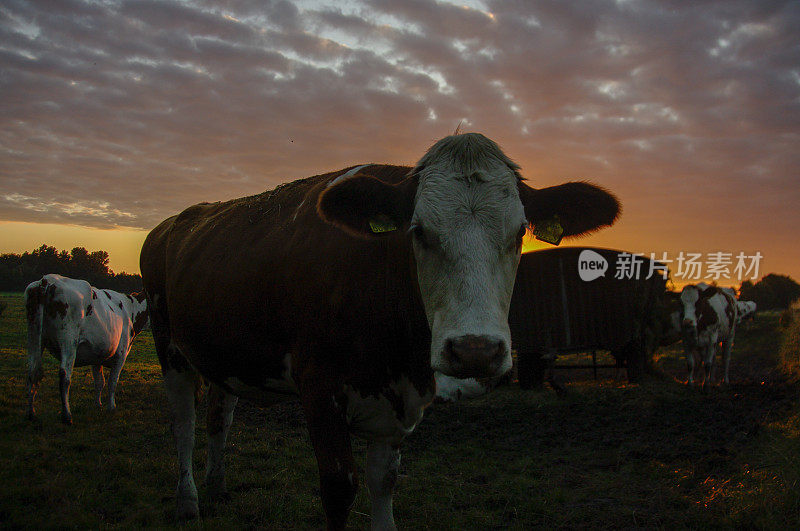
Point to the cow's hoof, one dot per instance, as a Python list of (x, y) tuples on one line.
[(187, 510), (30, 415), (66, 419)]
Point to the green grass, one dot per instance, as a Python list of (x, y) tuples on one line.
[(606, 455)]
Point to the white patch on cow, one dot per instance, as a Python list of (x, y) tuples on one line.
[(297, 210), (450, 389), (382, 466), (347, 174), (689, 297), (374, 417)]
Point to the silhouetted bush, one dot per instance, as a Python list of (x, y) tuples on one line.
[(773, 292), (19, 270)]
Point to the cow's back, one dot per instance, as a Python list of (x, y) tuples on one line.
[(247, 282)]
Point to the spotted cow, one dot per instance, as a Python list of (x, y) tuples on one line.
[(746, 310), (347, 290), (708, 319), (80, 325)]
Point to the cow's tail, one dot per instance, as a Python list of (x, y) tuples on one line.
[(34, 311)]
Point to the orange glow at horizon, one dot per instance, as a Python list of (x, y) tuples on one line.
[(123, 245)]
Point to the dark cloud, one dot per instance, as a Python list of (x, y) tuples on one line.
[(121, 113)]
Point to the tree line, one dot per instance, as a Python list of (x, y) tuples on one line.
[(19, 270), (773, 292)]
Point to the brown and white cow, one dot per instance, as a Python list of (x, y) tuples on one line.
[(746, 310), (348, 289), (80, 325), (708, 318)]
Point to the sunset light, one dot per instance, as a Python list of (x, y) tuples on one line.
[(696, 135), (264, 262)]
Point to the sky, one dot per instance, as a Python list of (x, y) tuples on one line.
[(117, 114)]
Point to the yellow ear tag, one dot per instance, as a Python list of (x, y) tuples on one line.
[(549, 230), (382, 224)]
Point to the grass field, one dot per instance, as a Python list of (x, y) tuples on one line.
[(607, 454)]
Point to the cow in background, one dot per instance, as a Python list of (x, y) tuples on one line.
[(80, 325), (708, 318), (747, 310)]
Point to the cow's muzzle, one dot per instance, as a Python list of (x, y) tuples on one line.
[(472, 356)]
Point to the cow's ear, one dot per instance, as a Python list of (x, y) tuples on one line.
[(365, 206), (570, 209)]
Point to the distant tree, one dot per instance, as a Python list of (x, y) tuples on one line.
[(17, 271), (771, 292)]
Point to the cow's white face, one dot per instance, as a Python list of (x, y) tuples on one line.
[(467, 235), (689, 297)]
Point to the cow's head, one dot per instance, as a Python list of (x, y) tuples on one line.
[(465, 209), (690, 295)]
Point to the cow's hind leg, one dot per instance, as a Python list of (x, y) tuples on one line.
[(35, 374), (383, 462), (727, 346), (67, 349), (220, 416), (34, 314), (113, 379), (99, 383), (708, 365)]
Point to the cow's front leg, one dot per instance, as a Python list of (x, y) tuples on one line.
[(708, 365), (331, 440), (383, 463), (690, 366), (99, 382), (220, 416), (727, 346), (181, 387)]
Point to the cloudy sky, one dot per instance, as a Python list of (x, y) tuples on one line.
[(117, 114)]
